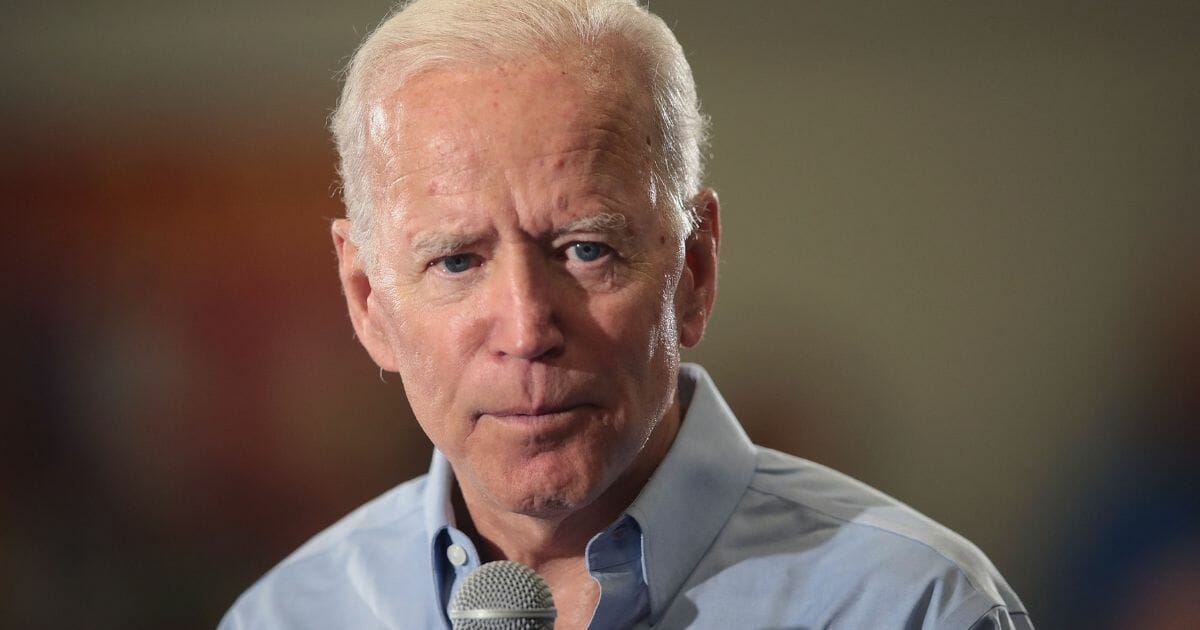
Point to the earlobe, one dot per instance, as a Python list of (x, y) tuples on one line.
[(361, 300), (699, 283)]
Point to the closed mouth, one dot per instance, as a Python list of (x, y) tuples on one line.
[(532, 414)]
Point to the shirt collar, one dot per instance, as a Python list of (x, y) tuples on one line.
[(439, 510), (439, 520), (694, 490), (680, 510)]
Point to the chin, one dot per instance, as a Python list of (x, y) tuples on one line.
[(545, 507), (539, 499)]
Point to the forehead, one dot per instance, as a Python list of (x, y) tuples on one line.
[(513, 87), (445, 126)]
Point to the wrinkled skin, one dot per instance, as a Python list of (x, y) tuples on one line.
[(528, 290)]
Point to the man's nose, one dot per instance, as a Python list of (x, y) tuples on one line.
[(525, 317)]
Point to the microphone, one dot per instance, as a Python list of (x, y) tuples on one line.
[(503, 595)]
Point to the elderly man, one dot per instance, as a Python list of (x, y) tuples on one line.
[(528, 246)]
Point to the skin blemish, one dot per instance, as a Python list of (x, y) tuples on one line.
[(432, 187), (662, 240)]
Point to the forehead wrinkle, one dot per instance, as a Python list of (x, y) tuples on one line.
[(386, 165), (605, 155), (612, 163), (598, 160), (611, 193), (614, 117), (440, 173), (403, 156)]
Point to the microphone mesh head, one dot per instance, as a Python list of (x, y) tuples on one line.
[(502, 586)]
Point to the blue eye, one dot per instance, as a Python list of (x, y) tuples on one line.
[(588, 251), (457, 263)]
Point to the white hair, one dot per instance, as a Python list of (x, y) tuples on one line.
[(423, 34)]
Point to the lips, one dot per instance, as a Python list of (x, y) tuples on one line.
[(534, 414), (544, 410)]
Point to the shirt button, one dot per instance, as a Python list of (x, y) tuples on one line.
[(456, 555)]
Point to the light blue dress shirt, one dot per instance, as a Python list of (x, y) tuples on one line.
[(724, 535)]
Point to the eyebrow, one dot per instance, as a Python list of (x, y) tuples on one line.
[(603, 222), (430, 245)]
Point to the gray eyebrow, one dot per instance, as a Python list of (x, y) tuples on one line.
[(604, 222), (439, 244), (430, 245)]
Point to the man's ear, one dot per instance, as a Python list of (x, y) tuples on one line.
[(366, 313), (698, 284)]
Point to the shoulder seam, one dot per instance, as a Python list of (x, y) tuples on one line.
[(958, 567)]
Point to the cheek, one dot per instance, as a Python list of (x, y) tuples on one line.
[(432, 348), (643, 324), (663, 308)]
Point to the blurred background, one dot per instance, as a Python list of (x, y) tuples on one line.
[(960, 262)]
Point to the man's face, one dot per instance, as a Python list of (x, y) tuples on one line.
[(528, 292)]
